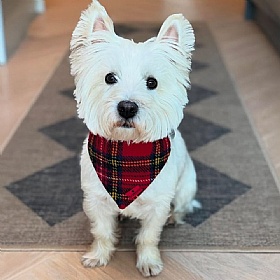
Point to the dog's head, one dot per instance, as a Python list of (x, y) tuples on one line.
[(128, 91)]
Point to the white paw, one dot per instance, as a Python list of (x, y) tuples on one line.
[(149, 262), (196, 204), (150, 269), (178, 217), (94, 259)]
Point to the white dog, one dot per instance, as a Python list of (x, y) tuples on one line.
[(134, 162)]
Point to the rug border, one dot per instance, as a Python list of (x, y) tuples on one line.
[(206, 249), (83, 248)]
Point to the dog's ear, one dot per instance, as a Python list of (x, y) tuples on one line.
[(178, 32), (92, 20), (101, 20)]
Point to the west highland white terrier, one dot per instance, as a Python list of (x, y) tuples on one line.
[(134, 161)]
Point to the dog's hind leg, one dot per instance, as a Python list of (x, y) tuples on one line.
[(184, 202)]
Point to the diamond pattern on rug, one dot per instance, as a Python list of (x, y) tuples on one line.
[(196, 65), (69, 133), (198, 132), (68, 92), (222, 188), (53, 193), (198, 93)]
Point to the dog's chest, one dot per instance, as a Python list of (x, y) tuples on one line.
[(127, 169)]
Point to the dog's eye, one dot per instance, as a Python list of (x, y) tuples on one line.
[(110, 79), (151, 83)]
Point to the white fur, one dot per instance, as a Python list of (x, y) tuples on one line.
[(96, 51)]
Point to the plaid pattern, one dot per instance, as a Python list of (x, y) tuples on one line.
[(127, 169)]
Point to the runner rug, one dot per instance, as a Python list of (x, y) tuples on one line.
[(40, 195)]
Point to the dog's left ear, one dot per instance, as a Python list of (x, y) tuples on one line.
[(92, 20), (177, 31)]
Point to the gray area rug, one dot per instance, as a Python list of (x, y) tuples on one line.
[(40, 196)]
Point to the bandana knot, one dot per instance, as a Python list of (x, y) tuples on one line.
[(127, 169)]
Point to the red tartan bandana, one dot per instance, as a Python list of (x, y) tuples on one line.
[(127, 169)]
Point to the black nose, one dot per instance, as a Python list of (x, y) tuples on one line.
[(127, 109)]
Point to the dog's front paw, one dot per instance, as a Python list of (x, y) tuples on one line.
[(91, 259), (150, 269), (95, 257), (99, 254), (149, 262)]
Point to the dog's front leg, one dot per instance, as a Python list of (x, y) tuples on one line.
[(103, 228), (149, 261)]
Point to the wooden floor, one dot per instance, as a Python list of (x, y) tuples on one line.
[(178, 266), (254, 67)]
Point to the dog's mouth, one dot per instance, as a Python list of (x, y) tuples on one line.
[(125, 123)]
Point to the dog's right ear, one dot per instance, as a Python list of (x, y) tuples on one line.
[(92, 20), (177, 30)]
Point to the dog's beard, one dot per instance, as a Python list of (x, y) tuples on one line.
[(126, 130), (123, 133)]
